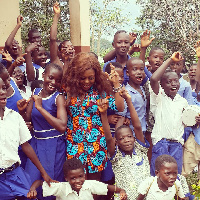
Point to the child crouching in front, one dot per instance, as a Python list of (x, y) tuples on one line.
[(129, 157), (76, 186), (165, 185)]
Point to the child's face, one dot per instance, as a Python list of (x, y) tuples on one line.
[(121, 43), (3, 93), (18, 76), (52, 80), (35, 37), (6, 78), (125, 140), (40, 57), (177, 66), (87, 80), (67, 49), (156, 59), (136, 71), (192, 72), (76, 178), (121, 75), (14, 50), (170, 84), (167, 175)]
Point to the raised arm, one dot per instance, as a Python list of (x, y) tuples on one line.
[(59, 122), (109, 56), (198, 63), (103, 106), (145, 42), (53, 33), (11, 37), (155, 78), (114, 78), (134, 117)]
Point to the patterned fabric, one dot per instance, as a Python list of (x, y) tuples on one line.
[(85, 136), (130, 171)]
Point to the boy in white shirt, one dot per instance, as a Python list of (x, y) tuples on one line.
[(165, 185), (77, 188)]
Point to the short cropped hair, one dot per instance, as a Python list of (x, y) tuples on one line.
[(115, 64), (154, 49), (161, 160), (61, 44), (130, 60), (119, 128), (2, 68), (118, 32), (52, 65), (34, 30), (168, 70), (72, 164)]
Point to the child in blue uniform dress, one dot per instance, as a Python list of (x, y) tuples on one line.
[(49, 120)]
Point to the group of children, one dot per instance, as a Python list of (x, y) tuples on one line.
[(70, 121)]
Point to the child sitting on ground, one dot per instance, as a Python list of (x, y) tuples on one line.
[(167, 107), (129, 157), (76, 186), (165, 185)]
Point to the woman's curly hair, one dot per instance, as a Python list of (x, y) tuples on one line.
[(80, 63)]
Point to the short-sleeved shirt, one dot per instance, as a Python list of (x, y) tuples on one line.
[(63, 190), (13, 132), (139, 102), (150, 187), (131, 170), (85, 135), (167, 113)]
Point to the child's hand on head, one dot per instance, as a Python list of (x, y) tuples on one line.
[(124, 93), (22, 104), (32, 194), (145, 39), (176, 57), (32, 47), (6, 55), (133, 37), (135, 48), (102, 105), (38, 101), (122, 195), (19, 20), (197, 47), (56, 8)]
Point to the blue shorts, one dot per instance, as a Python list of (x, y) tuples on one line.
[(14, 183), (173, 149)]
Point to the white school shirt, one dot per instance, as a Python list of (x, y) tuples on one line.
[(155, 193), (13, 132), (63, 190), (167, 113)]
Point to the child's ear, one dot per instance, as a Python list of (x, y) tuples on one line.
[(127, 72), (148, 58), (66, 179), (156, 173), (113, 44), (43, 75)]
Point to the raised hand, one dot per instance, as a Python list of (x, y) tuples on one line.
[(133, 37), (102, 105), (145, 39), (176, 57), (56, 8), (19, 20), (124, 93), (113, 76), (6, 55), (22, 104), (20, 60), (135, 48), (197, 47), (33, 46)]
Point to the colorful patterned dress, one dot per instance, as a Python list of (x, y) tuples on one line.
[(85, 135)]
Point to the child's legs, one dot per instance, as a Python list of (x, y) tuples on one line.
[(14, 183), (176, 151), (160, 148), (191, 155)]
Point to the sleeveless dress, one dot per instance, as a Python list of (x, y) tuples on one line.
[(48, 143)]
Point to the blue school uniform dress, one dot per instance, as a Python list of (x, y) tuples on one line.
[(48, 143)]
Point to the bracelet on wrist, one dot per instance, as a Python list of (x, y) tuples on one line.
[(115, 90)]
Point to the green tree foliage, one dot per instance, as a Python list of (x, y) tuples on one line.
[(105, 17), (39, 14), (175, 24)]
